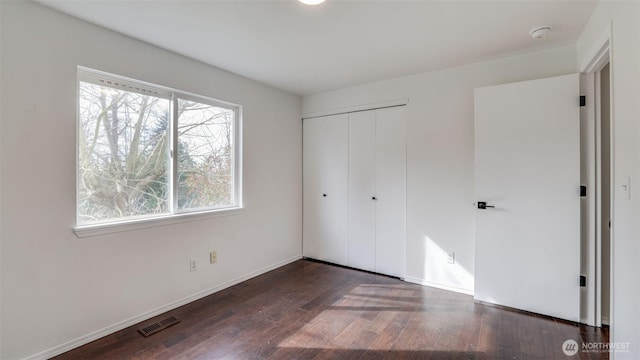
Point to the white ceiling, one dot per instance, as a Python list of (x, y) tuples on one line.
[(311, 49)]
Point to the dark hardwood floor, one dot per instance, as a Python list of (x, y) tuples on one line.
[(310, 310)]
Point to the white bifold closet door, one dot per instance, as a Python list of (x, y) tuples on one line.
[(325, 198), (362, 190), (377, 191), (391, 191)]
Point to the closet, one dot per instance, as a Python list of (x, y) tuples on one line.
[(355, 189)]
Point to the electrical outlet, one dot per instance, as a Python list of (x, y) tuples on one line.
[(213, 257), (193, 264), (451, 258)]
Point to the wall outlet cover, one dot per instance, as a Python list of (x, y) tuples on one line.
[(451, 258)]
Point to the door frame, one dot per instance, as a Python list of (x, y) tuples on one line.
[(598, 57)]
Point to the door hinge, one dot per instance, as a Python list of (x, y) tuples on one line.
[(583, 191), (583, 281), (583, 100)]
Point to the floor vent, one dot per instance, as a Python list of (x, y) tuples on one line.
[(158, 326)]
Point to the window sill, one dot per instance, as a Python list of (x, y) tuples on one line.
[(116, 227)]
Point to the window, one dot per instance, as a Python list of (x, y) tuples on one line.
[(145, 151)]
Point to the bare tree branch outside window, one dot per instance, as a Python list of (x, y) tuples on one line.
[(123, 154)]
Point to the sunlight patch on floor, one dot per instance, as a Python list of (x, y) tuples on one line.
[(376, 317)]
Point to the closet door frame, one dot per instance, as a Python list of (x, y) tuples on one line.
[(345, 221)]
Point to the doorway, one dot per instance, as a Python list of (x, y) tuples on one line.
[(603, 195), (597, 165)]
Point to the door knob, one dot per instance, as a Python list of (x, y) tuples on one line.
[(373, 198), (325, 195), (483, 205)]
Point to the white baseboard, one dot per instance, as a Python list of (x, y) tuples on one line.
[(439, 286), (85, 339)]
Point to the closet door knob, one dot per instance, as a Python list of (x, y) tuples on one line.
[(325, 195), (373, 198)]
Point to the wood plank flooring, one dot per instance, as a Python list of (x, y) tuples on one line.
[(311, 310)]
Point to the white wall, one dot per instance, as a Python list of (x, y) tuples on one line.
[(57, 288), (440, 214), (623, 19)]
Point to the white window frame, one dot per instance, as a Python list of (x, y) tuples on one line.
[(175, 215)]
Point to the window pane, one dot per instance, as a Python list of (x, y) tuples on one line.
[(122, 147), (205, 155)]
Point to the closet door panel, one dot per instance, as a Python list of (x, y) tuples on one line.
[(312, 148), (334, 175), (390, 191), (362, 187)]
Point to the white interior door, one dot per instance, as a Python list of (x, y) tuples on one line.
[(312, 149), (325, 177), (362, 189), (335, 181), (527, 165), (391, 189)]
